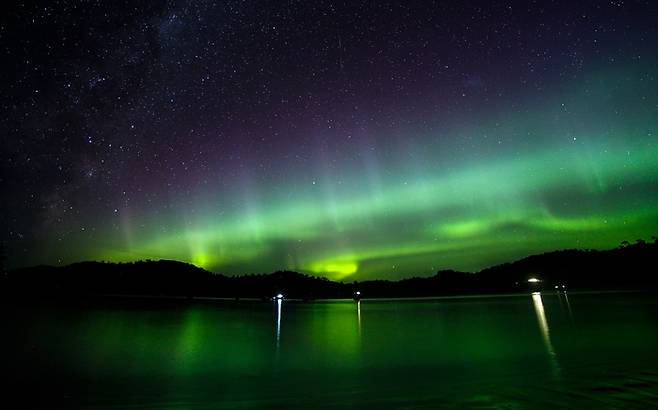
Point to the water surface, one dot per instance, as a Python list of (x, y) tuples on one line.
[(549, 350)]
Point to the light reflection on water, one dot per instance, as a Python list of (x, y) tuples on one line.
[(358, 314), (477, 352), (545, 331), (278, 324), (566, 299)]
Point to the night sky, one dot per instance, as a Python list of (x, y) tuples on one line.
[(346, 139)]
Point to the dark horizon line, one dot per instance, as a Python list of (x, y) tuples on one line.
[(629, 266), (623, 244)]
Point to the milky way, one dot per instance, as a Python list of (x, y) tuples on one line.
[(350, 140)]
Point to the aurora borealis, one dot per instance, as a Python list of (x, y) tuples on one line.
[(350, 141)]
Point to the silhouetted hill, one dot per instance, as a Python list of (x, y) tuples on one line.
[(627, 266), (163, 278), (631, 266)]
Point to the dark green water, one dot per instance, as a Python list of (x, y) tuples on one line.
[(508, 352)]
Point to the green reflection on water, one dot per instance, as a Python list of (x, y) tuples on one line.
[(529, 350)]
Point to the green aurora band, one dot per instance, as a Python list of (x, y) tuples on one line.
[(576, 167)]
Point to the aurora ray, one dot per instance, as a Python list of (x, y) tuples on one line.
[(254, 159)]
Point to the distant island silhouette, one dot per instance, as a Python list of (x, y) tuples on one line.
[(629, 266)]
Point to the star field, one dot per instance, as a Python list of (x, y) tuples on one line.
[(347, 139)]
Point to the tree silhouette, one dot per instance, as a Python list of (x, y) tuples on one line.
[(631, 266)]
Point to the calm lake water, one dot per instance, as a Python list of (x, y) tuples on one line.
[(532, 351)]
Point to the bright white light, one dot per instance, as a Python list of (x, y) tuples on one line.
[(358, 293), (279, 296), (533, 280)]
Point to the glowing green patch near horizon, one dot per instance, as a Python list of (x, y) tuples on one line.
[(587, 177)]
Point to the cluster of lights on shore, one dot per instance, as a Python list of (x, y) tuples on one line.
[(357, 294), (537, 280)]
